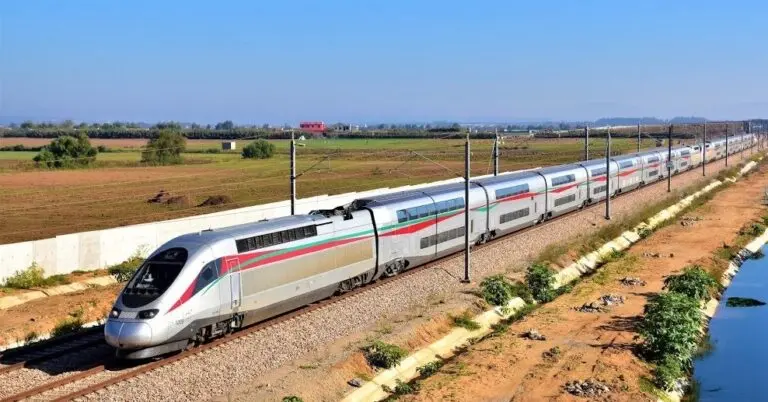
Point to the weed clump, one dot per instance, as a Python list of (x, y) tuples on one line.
[(384, 355), (292, 398), (694, 282), (125, 270), (540, 280), (73, 323), (465, 321), (429, 369), (498, 290), (33, 276), (401, 388)]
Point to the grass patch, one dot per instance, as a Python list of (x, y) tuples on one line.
[(30, 337), (67, 325), (34, 277), (465, 321), (384, 355), (552, 253), (647, 387)]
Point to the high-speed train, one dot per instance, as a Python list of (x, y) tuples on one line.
[(201, 285)]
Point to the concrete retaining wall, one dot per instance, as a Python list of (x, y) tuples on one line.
[(101, 248)]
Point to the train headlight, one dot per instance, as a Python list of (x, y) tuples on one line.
[(114, 313), (147, 314)]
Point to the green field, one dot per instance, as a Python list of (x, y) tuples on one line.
[(38, 203)]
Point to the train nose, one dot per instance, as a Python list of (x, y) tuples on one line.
[(127, 335)]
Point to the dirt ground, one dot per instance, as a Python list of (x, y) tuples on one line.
[(323, 375), (508, 367), (42, 315)]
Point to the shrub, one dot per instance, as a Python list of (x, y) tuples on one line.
[(754, 229), (430, 368), (67, 151), (125, 270), (465, 321), (540, 279), (384, 355), (694, 282), (165, 149), (670, 327), (31, 277), (259, 149), (102, 148), (292, 398), (498, 290)]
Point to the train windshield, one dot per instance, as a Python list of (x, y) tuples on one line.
[(154, 277)]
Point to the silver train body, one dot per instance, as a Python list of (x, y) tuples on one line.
[(201, 285)]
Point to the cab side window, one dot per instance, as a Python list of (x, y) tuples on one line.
[(208, 274)]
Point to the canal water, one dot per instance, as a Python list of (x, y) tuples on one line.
[(737, 367)]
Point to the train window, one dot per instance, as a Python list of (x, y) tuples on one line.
[(511, 191), (441, 207), (599, 189), (556, 181), (685, 152), (154, 277), (626, 164), (413, 213), (565, 200), (510, 216), (653, 159), (207, 275), (423, 211), (290, 235), (276, 238), (598, 171), (653, 173), (402, 216), (431, 209), (310, 231)]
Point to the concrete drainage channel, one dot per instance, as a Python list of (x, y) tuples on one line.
[(446, 347), (710, 307)]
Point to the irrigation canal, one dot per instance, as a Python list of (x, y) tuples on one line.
[(736, 368)]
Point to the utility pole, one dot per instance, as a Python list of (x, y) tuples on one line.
[(704, 152), (638, 137), (496, 154), (466, 210), (586, 143), (608, 175), (293, 175), (669, 160), (726, 144)]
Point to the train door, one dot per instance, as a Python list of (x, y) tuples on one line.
[(234, 284)]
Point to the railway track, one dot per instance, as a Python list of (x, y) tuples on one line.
[(43, 351), (115, 371)]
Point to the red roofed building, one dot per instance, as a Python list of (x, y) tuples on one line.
[(315, 127)]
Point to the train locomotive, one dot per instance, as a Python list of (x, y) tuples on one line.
[(202, 285)]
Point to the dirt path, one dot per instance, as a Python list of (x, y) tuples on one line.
[(594, 345)]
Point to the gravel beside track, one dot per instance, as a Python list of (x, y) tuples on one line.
[(215, 372), (51, 370)]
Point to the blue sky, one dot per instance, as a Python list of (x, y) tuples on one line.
[(381, 60)]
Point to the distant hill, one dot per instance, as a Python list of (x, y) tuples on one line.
[(629, 121)]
